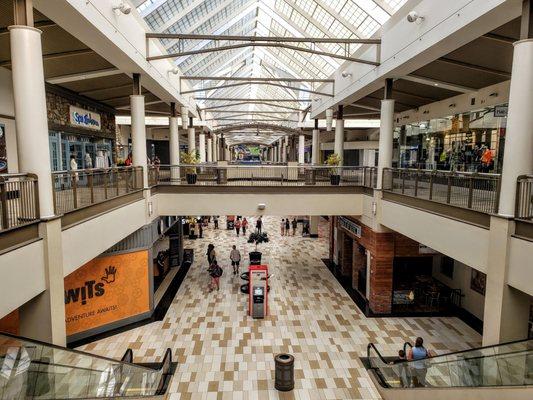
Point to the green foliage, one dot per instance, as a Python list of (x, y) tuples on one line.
[(333, 161), (189, 159)]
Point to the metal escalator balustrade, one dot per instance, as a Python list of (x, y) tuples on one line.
[(509, 364), (31, 370)]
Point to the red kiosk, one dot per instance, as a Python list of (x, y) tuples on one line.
[(258, 291)]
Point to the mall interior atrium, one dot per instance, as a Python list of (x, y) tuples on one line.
[(266, 199)]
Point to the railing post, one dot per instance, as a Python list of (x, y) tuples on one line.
[(364, 177), (416, 183), (470, 191), (431, 178), (496, 207), (402, 173), (91, 185), (116, 180), (105, 183), (74, 180), (3, 202), (36, 196), (449, 190)]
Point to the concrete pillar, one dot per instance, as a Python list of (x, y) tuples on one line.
[(315, 147), (191, 137), (209, 150), (201, 147), (138, 135), (506, 309), (227, 154), (43, 317), (284, 148), (339, 135), (313, 225), (221, 147), (301, 149), (31, 117), (174, 144), (386, 133), (518, 154)]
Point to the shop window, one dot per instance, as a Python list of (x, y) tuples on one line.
[(447, 266)]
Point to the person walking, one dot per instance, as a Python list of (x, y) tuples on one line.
[(237, 226), (294, 224), (287, 227), (244, 225), (215, 221), (235, 257), (259, 225), (211, 254), (200, 228), (419, 370), (215, 272), (88, 161), (282, 226)]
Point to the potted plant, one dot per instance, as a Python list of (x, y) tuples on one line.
[(256, 237), (190, 159), (333, 161)]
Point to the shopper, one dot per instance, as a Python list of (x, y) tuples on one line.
[(210, 253), (259, 225), (294, 224), (244, 225), (419, 354), (215, 272), (215, 221), (128, 162), (74, 167), (282, 226), (403, 370), (237, 226), (287, 227), (235, 257), (200, 228), (88, 161)]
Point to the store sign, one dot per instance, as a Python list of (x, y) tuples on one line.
[(350, 226), (105, 290), (501, 111), (84, 118)]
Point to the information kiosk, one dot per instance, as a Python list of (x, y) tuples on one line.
[(258, 293)]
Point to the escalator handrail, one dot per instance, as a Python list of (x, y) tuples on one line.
[(372, 346), (44, 344), (405, 345), (165, 370)]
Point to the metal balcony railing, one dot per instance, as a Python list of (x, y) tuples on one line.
[(81, 188), (479, 192), (524, 198), (266, 175), (19, 200)]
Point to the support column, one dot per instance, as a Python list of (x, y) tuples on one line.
[(174, 143), (215, 148), (339, 135), (386, 133), (506, 309), (313, 225), (284, 149), (381, 273), (227, 154), (138, 128), (31, 118), (518, 154), (221, 149), (209, 150), (315, 145), (201, 146), (301, 149), (191, 137)]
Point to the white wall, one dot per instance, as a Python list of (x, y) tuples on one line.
[(7, 118), (521, 265), (464, 242), (22, 272), (473, 302)]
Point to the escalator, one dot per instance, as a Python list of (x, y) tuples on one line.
[(34, 370), (502, 371)]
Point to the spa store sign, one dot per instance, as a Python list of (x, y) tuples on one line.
[(84, 118)]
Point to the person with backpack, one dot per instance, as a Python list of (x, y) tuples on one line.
[(244, 225), (238, 226), (235, 257), (215, 272)]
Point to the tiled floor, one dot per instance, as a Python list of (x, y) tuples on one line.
[(224, 354)]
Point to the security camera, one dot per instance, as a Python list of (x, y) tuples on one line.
[(413, 16), (346, 74), (174, 71), (123, 7)]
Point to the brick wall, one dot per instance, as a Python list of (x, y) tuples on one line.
[(10, 323), (381, 273)]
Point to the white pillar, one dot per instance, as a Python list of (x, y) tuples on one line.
[(339, 139), (174, 144), (315, 147), (201, 147), (313, 225), (138, 135), (209, 150), (191, 141), (301, 149), (31, 118), (227, 153), (518, 153), (386, 133)]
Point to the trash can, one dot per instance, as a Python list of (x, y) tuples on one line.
[(222, 176), (284, 377), (255, 257), (310, 177)]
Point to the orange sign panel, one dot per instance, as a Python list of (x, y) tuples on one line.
[(105, 290)]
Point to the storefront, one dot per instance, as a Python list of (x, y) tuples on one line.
[(472, 142), (81, 128)]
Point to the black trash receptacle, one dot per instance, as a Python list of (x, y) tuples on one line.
[(255, 257), (284, 378)]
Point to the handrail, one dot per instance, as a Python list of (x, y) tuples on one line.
[(405, 345), (440, 171), (372, 346)]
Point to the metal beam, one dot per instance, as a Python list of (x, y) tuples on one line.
[(254, 44), (272, 119), (252, 100), (255, 83), (440, 84), (474, 67), (97, 90), (39, 25), (84, 75), (258, 102), (499, 38), (277, 39), (244, 79), (54, 56), (253, 112)]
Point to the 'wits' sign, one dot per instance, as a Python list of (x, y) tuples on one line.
[(84, 118)]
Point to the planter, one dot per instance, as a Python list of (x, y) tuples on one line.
[(310, 177), (191, 179), (335, 179), (255, 257)]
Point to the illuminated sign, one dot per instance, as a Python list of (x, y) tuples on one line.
[(84, 118)]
